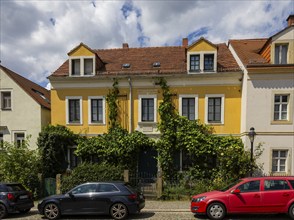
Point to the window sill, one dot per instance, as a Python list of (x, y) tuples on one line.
[(281, 122), (74, 124), (147, 123), (215, 123), (97, 124), (6, 109), (276, 173)]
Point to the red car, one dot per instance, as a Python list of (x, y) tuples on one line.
[(254, 195)]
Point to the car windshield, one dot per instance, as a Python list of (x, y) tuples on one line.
[(230, 185)]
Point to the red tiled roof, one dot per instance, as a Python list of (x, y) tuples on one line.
[(172, 61), (248, 50), (31, 88)]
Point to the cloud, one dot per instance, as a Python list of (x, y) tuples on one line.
[(36, 35)]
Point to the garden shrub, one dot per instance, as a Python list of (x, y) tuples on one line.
[(91, 172)]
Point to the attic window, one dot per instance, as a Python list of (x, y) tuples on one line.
[(156, 64), (126, 65), (41, 95)]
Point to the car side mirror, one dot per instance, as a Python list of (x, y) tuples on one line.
[(235, 191), (70, 195)]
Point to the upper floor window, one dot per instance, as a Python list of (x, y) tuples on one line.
[(202, 61), (195, 62), (6, 100), (82, 66), (281, 51), (208, 62), (214, 108), (19, 138), (281, 107), (279, 159), (188, 106), (97, 110), (147, 109), (73, 110)]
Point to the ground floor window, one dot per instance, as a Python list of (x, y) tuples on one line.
[(279, 160), (19, 138), (1, 140), (73, 160)]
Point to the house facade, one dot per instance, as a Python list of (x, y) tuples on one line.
[(268, 96), (204, 78), (25, 108)]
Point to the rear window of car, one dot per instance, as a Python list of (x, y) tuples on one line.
[(15, 187), (270, 185), (130, 188)]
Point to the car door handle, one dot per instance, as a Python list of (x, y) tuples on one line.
[(256, 196), (286, 194)]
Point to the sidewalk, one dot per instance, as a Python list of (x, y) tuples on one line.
[(166, 206)]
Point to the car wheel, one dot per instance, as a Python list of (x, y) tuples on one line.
[(51, 211), (118, 211), (3, 211), (216, 210), (24, 211), (291, 211)]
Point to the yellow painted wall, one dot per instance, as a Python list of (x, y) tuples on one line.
[(232, 115), (81, 51), (201, 46)]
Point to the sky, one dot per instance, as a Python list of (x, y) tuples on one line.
[(36, 35)]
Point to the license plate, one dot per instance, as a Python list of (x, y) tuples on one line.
[(23, 197)]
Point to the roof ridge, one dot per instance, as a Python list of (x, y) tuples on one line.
[(138, 48), (248, 39)]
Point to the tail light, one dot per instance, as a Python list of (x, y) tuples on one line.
[(10, 196), (132, 197)]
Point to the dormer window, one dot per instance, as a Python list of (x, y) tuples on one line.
[(281, 51), (208, 62), (195, 62), (82, 66), (202, 61)]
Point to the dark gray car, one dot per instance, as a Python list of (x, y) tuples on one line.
[(14, 198), (117, 199)]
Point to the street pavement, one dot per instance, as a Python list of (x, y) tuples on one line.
[(154, 210)]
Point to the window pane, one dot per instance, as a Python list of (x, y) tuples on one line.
[(74, 110), (284, 54), (277, 53), (147, 109), (96, 110), (194, 62), (283, 153), (6, 100), (76, 67), (208, 61), (284, 98), (275, 153), (88, 66)]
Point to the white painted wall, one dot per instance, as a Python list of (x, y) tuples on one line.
[(26, 114)]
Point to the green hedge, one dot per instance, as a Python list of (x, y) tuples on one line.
[(91, 172)]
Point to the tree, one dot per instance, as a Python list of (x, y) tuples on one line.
[(53, 142), (20, 164)]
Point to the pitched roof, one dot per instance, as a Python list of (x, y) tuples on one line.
[(248, 50), (202, 39), (38, 93), (172, 60)]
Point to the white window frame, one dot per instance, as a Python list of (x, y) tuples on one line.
[(90, 110), (140, 108), (82, 63), (280, 104), (14, 133), (202, 53), (279, 158), (181, 96), (11, 102), (280, 52), (222, 96), (67, 98)]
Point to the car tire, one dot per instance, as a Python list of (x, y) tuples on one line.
[(51, 211), (3, 211), (291, 211), (118, 211), (216, 211), (24, 211)]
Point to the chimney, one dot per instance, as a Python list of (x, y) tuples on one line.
[(125, 45), (290, 20), (185, 42)]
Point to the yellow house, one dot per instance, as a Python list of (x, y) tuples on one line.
[(204, 78)]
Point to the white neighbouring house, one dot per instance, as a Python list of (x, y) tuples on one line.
[(268, 96), (24, 108)]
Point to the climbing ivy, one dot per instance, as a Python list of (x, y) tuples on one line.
[(112, 103), (212, 156)]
